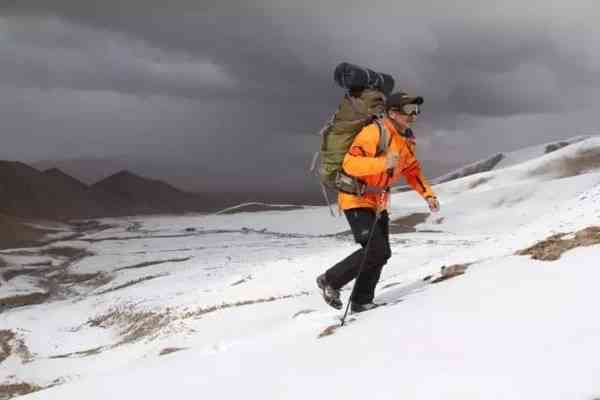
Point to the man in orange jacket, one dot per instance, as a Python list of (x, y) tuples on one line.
[(367, 212)]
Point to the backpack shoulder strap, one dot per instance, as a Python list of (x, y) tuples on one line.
[(323, 133), (384, 138)]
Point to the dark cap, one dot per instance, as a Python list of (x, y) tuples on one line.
[(398, 99)]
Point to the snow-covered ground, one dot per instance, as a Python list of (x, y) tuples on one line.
[(503, 160), (225, 306)]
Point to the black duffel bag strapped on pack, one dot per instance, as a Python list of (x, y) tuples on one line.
[(354, 77)]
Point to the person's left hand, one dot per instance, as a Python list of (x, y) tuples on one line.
[(433, 203)]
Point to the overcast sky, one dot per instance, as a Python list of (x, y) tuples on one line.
[(235, 91)]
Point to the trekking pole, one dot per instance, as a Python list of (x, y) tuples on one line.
[(362, 264), (366, 250)]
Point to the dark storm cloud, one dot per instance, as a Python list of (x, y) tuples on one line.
[(249, 45), (278, 53), (179, 79)]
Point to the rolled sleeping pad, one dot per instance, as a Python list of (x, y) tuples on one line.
[(350, 76)]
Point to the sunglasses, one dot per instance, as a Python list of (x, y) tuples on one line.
[(408, 109), (411, 109)]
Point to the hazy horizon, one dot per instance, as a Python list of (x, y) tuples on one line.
[(232, 94)]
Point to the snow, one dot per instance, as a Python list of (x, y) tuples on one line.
[(245, 311), (530, 153), (18, 286), (508, 159)]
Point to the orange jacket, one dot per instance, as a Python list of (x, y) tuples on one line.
[(360, 162)]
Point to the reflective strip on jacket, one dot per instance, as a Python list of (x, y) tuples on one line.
[(360, 161)]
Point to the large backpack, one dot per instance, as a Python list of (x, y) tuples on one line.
[(359, 107)]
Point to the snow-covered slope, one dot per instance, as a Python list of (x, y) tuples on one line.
[(225, 306), (503, 160)]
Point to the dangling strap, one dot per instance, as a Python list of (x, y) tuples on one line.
[(321, 133), (327, 125), (324, 190), (313, 164)]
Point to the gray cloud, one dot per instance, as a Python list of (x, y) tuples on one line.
[(253, 79)]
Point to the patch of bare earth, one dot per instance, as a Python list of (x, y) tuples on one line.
[(242, 281), (70, 253), (13, 273), (303, 312), (6, 337), (408, 223), (330, 330), (169, 350), (479, 182), (508, 201), (23, 300), (79, 354), (10, 344), (136, 325), (553, 247), (69, 279), (10, 391), (555, 146), (219, 307), (15, 233), (472, 169), (55, 282), (449, 272), (131, 283), (151, 263), (583, 162)]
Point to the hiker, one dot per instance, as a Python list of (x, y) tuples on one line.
[(368, 211)]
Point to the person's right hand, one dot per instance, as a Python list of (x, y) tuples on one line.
[(391, 160)]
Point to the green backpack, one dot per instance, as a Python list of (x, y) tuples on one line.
[(357, 110)]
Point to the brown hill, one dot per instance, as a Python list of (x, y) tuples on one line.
[(87, 202), (52, 194), (26, 192), (86, 170), (144, 195), (67, 180)]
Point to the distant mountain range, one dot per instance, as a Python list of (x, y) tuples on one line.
[(52, 194), (218, 190), (188, 176), (86, 190)]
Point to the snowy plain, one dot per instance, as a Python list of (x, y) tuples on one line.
[(225, 306)]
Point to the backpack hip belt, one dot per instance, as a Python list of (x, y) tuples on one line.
[(352, 185)]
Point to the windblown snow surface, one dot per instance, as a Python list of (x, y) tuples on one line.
[(503, 160), (236, 297)]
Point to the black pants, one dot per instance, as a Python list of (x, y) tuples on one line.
[(361, 220)]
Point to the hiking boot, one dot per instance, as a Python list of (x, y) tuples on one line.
[(330, 295), (357, 308)]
